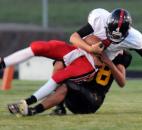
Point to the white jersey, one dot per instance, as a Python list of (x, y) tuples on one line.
[(98, 19)]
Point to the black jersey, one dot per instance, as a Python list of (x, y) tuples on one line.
[(88, 97), (104, 78)]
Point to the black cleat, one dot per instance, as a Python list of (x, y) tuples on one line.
[(59, 111), (31, 111), (13, 108)]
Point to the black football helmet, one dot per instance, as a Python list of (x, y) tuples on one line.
[(118, 24)]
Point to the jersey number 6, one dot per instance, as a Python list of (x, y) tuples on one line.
[(103, 76)]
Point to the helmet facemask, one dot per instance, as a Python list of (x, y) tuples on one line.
[(118, 25)]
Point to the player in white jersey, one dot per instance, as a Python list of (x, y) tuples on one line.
[(112, 28)]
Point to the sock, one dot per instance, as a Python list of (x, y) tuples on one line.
[(35, 110), (46, 89), (39, 108), (18, 57), (31, 100)]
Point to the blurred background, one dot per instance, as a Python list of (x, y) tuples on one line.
[(22, 21)]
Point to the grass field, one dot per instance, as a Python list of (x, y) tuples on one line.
[(122, 110)]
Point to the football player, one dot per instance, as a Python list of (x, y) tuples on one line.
[(115, 29), (80, 66), (84, 98)]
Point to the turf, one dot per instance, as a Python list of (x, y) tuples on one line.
[(122, 110)]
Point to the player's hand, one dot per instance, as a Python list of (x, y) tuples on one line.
[(104, 58), (97, 48)]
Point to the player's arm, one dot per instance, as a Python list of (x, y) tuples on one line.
[(76, 38), (139, 51), (119, 74), (134, 40), (118, 70)]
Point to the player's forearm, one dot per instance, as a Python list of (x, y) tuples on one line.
[(18, 57), (77, 41), (118, 74)]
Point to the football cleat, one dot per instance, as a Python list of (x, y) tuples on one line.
[(58, 111), (31, 111), (19, 108), (13, 108), (23, 107)]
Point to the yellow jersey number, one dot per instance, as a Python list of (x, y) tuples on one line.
[(102, 72)]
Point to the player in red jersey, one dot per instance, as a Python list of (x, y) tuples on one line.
[(79, 65), (81, 98)]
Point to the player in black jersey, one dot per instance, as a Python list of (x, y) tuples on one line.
[(88, 97), (83, 98)]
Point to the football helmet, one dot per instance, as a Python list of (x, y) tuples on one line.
[(118, 24)]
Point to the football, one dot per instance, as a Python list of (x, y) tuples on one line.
[(95, 41), (92, 39)]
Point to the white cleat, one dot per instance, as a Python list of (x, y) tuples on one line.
[(19, 108), (23, 108)]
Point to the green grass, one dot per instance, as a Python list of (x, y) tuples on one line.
[(122, 110)]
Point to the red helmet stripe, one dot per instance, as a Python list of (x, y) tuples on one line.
[(121, 18)]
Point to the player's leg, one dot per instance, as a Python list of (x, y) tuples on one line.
[(54, 98), (17, 57), (78, 69), (57, 65), (59, 109), (51, 49), (50, 101), (21, 107), (73, 70)]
